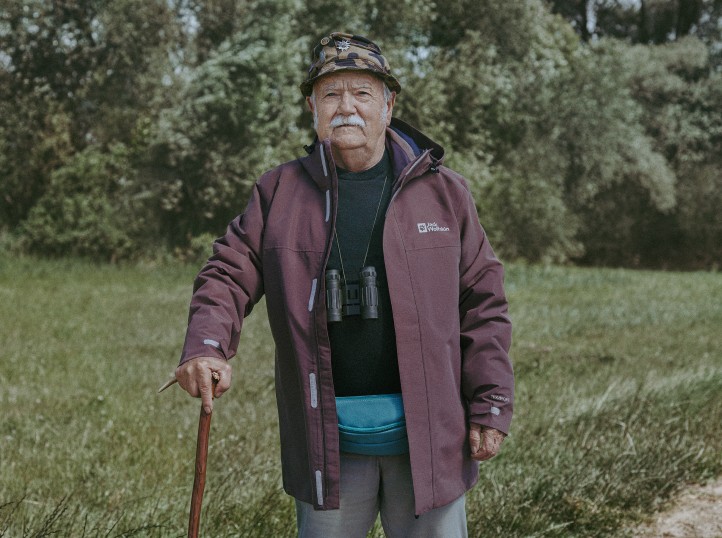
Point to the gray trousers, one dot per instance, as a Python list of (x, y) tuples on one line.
[(373, 485)]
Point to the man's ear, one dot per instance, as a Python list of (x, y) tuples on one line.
[(309, 102), (390, 104)]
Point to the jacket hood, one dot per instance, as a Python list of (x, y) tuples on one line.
[(417, 141), (412, 154)]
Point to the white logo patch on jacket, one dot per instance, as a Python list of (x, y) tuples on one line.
[(426, 227)]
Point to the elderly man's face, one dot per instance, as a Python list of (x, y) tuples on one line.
[(351, 110)]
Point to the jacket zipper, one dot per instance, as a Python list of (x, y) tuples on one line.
[(330, 216)]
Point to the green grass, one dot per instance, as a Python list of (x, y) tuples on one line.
[(619, 405)]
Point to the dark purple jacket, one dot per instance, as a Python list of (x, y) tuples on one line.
[(450, 314)]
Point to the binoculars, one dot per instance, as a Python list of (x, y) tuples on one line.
[(351, 299)]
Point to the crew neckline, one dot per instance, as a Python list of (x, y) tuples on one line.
[(376, 171)]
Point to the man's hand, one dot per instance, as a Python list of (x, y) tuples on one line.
[(485, 442), (195, 378)]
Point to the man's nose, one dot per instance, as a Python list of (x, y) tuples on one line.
[(347, 105)]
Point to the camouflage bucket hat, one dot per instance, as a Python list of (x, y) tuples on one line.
[(340, 51)]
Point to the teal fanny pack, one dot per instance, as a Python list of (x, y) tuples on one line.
[(372, 425)]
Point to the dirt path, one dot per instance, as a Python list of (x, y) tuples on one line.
[(696, 513)]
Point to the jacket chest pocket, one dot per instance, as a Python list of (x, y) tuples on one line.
[(428, 229), (299, 235), (425, 217), (431, 234), (298, 221)]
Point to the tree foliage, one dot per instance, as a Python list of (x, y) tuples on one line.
[(681, 95), (236, 117), (73, 74), (88, 209), (589, 130)]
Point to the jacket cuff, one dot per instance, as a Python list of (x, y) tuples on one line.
[(205, 348), (500, 422)]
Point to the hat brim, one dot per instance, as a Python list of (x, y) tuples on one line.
[(307, 85)]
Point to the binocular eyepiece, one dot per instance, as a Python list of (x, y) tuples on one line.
[(350, 299), (369, 293), (334, 300)]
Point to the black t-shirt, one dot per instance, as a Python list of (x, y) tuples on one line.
[(363, 351)]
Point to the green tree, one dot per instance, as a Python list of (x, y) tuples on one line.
[(646, 21), (89, 209), (539, 123), (75, 76), (35, 139), (101, 62), (44, 59), (236, 117), (615, 168), (210, 23), (477, 92), (681, 96)]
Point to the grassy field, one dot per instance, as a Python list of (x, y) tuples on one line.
[(619, 405)]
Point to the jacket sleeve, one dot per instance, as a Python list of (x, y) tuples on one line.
[(228, 286), (487, 378)]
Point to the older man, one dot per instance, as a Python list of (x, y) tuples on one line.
[(387, 309)]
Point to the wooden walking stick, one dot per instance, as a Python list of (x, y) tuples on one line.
[(199, 478)]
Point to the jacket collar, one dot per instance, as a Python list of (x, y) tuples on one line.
[(319, 163), (413, 153)]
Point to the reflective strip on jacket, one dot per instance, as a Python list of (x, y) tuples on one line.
[(450, 314)]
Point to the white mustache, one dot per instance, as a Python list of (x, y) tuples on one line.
[(353, 119)]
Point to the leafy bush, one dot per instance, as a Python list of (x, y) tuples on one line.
[(236, 118), (34, 140), (198, 250), (89, 209)]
